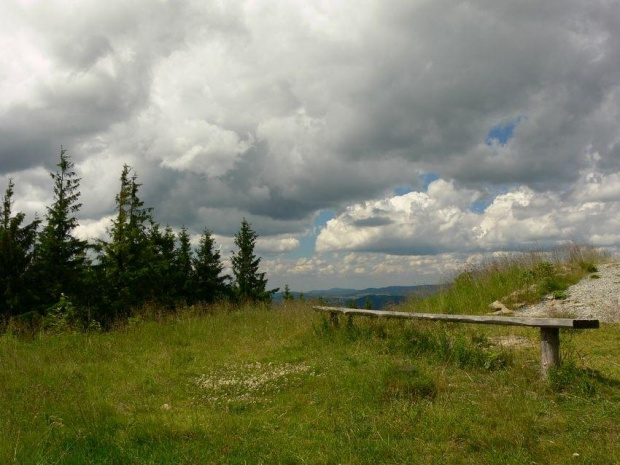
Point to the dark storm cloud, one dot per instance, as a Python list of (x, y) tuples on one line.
[(372, 222), (453, 70), (276, 110)]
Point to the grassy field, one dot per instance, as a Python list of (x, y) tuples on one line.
[(279, 385)]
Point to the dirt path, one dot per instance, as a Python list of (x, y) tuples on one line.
[(590, 298)]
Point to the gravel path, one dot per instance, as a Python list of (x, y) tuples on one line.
[(589, 298)]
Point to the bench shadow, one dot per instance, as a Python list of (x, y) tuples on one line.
[(605, 380)]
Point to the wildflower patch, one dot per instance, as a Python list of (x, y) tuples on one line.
[(251, 382)]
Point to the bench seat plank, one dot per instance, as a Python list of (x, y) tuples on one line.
[(479, 319)]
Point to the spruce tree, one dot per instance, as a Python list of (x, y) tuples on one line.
[(126, 260), (183, 267), (60, 257), (208, 283), (162, 267), (250, 284), (16, 253), (288, 296)]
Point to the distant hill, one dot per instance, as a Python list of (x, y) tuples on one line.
[(379, 297)]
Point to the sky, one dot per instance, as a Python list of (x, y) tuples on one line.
[(368, 142)]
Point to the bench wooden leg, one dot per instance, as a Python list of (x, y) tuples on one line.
[(549, 349), (333, 317)]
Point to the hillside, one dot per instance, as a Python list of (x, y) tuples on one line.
[(378, 298)]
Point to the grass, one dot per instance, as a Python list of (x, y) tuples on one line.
[(515, 279), (263, 385)]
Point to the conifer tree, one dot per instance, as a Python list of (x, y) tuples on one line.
[(162, 266), (288, 296), (183, 267), (60, 257), (209, 284), (126, 260), (16, 253), (250, 284)]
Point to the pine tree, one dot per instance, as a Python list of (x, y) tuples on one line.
[(250, 284), (288, 296), (183, 267), (162, 266), (60, 257), (16, 253), (126, 260), (209, 284)]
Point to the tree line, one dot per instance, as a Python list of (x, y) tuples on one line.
[(45, 271)]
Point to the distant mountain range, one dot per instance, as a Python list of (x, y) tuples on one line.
[(379, 298)]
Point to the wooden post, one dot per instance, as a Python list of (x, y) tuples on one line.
[(333, 317), (549, 349)]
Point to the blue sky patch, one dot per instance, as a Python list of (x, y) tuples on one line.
[(479, 206), (428, 178), (502, 133), (425, 179), (307, 243), (403, 190)]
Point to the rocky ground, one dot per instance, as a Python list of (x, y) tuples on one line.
[(595, 296)]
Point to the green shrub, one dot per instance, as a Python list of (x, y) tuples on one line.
[(62, 316), (559, 295), (544, 270)]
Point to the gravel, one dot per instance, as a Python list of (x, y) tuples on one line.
[(589, 298)]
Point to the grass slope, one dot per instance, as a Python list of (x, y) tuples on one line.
[(263, 385)]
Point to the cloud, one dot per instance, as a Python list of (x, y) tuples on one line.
[(294, 96), (361, 270), (440, 220), (275, 110), (94, 229), (75, 70), (265, 245)]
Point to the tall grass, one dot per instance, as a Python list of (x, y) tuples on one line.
[(275, 385), (517, 278)]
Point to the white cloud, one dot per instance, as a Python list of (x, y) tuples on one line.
[(276, 244), (94, 229), (265, 245), (359, 270), (202, 148), (430, 223), (416, 223)]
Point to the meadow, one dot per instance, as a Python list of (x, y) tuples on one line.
[(261, 384)]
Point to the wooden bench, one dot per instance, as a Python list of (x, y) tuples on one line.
[(549, 327)]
